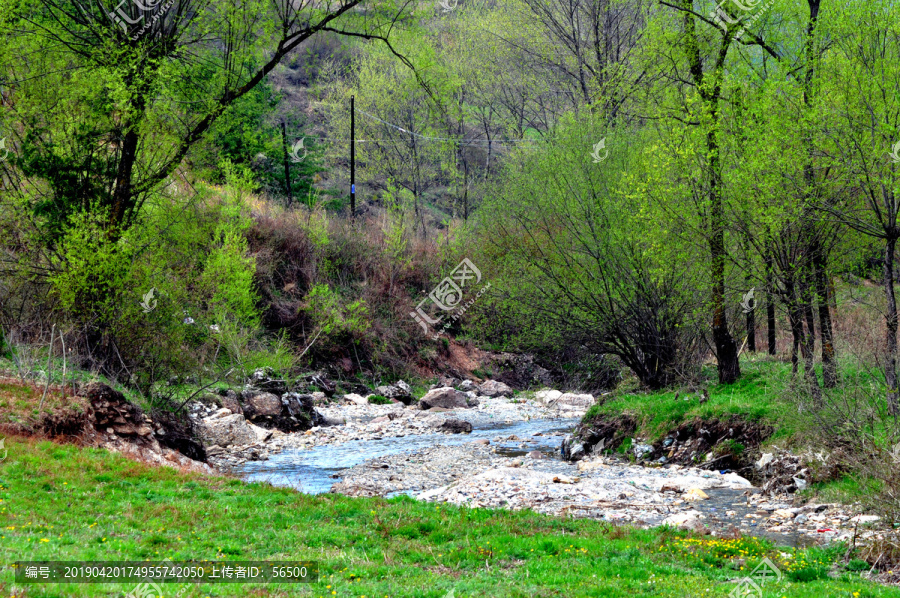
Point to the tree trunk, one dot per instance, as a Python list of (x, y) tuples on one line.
[(890, 366), (123, 200), (751, 331), (751, 324), (797, 309), (770, 306), (726, 349), (826, 331), (808, 315)]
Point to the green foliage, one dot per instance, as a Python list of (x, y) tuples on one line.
[(379, 400), (227, 274), (166, 304), (332, 316), (93, 268)]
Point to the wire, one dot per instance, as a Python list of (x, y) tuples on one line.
[(473, 142)]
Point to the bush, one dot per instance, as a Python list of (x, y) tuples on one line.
[(573, 266), (379, 400), (170, 295)]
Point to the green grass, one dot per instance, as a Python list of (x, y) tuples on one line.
[(757, 396), (69, 503)]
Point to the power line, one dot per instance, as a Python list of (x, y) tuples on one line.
[(471, 142)]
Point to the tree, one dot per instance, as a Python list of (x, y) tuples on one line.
[(575, 265), (144, 83), (864, 134)]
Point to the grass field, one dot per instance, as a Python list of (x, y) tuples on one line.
[(61, 502)]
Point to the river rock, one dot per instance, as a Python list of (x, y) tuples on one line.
[(261, 405), (456, 426), (226, 430), (494, 388), (229, 400), (640, 450), (326, 421), (264, 379), (356, 399), (297, 413), (446, 397), (399, 391), (547, 396), (582, 401), (694, 494), (571, 450), (466, 386)]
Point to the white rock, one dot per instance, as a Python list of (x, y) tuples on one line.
[(695, 494), (765, 460), (736, 481), (356, 399), (581, 401), (547, 396)]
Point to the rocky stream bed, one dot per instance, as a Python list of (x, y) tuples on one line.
[(505, 453)]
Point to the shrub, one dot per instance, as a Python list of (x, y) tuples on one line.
[(573, 264), (379, 400)]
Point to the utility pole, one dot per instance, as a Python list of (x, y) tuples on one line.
[(352, 156)]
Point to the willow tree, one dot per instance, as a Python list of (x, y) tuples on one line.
[(696, 49)]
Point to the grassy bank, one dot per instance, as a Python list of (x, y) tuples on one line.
[(759, 396), (69, 503)]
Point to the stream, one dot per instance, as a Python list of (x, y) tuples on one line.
[(315, 470)]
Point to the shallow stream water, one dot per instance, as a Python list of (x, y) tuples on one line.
[(315, 470), (312, 471)]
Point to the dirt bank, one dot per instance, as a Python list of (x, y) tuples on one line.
[(719, 444)]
